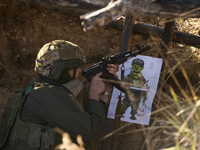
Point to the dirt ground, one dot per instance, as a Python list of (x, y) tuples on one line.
[(24, 30)]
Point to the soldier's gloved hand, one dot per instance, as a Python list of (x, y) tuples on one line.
[(96, 87)]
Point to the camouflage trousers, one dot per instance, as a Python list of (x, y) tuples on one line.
[(134, 102)]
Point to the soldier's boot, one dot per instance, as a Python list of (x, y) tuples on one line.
[(124, 106), (133, 117)]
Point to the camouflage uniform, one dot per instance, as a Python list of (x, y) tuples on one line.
[(135, 80), (50, 104)]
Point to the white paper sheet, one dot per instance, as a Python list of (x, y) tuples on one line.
[(151, 72)]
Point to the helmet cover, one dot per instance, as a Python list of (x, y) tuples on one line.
[(58, 51)]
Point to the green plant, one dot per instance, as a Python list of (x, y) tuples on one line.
[(5, 68)]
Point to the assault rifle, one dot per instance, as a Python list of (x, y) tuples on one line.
[(119, 58)]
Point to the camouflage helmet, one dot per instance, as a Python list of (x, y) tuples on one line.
[(138, 62), (57, 56)]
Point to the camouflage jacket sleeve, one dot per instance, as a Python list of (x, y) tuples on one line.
[(62, 110)]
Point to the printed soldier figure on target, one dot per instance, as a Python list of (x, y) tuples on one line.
[(137, 98)]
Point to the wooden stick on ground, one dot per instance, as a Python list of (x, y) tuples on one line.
[(152, 30)]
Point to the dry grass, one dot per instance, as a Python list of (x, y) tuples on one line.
[(67, 142), (176, 120)]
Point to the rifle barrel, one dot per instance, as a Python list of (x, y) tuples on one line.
[(140, 51)]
